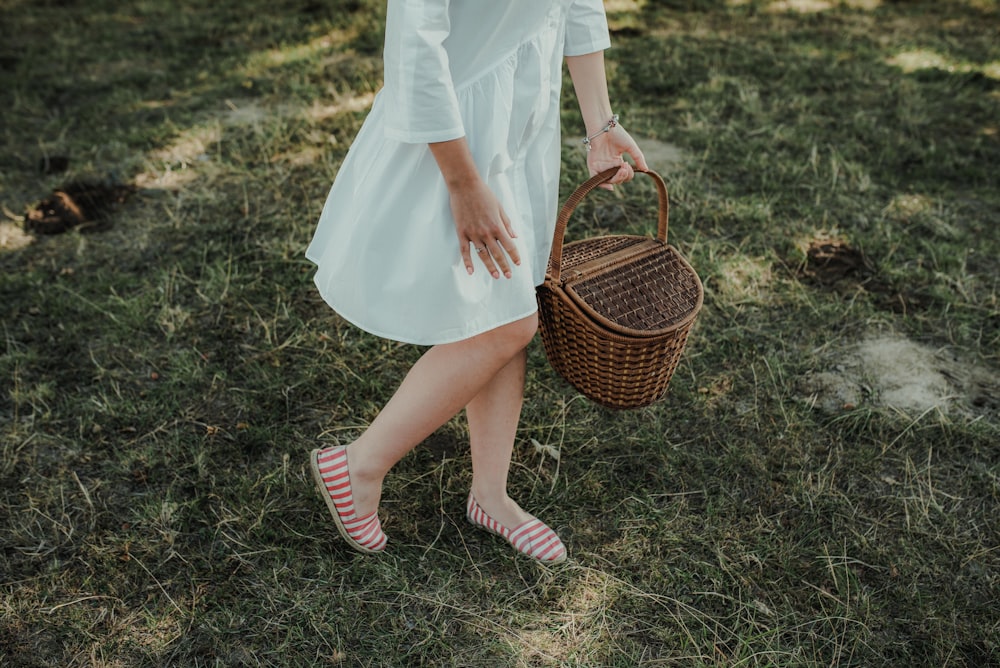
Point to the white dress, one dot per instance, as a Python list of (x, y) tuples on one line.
[(385, 247)]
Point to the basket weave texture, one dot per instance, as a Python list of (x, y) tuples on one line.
[(615, 311)]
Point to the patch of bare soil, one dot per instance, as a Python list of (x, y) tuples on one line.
[(831, 261), (834, 264), (893, 372), (79, 204)]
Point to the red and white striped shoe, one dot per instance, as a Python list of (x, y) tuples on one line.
[(532, 538), (329, 468)]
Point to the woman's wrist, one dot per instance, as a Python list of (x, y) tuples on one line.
[(606, 128), (591, 87), (455, 161), (595, 120)]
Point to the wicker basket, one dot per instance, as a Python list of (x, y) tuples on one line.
[(615, 311)]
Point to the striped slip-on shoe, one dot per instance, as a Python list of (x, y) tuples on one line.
[(532, 538), (329, 468)]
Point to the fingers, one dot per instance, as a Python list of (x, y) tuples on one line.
[(499, 258), (498, 251), (638, 158), (466, 257), (507, 244), (484, 255), (496, 255), (507, 225), (624, 174)]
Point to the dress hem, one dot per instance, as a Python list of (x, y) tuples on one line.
[(425, 341)]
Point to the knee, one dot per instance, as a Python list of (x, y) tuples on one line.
[(526, 329), (515, 336)]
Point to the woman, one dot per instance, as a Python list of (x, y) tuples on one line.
[(438, 227)]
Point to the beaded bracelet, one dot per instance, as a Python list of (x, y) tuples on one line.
[(607, 128)]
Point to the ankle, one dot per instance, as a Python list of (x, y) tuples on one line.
[(490, 496), (361, 467)]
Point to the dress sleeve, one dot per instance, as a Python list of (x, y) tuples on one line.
[(586, 28), (421, 106)]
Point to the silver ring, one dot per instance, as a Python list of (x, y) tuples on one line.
[(481, 250)]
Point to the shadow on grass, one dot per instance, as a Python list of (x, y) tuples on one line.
[(162, 381)]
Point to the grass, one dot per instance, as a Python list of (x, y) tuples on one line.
[(162, 379)]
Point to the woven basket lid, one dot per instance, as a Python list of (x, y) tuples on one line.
[(653, 292)]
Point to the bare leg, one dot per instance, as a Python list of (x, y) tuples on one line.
[(443, 381), (493, 417)]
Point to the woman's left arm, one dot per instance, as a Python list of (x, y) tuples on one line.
[(606, 148)]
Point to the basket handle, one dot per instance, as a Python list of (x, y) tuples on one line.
[(555, 257)]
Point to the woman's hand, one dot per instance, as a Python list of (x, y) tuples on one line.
[(483, 229), (607, 150), (480, 220)]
